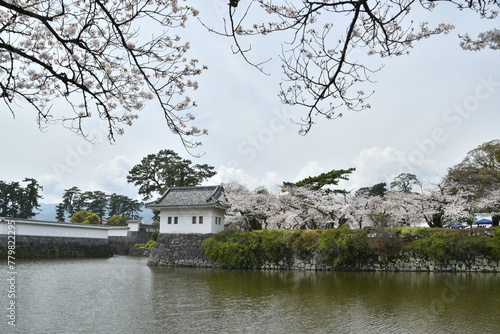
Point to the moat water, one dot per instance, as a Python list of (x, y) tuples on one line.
[(123, 295)]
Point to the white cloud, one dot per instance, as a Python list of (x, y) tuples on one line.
[(111, 177), (53, 188), (231, 174), (311, 169), (375, 165)]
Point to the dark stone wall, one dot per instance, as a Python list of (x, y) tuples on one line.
[(123, 245), (55, 247), (183, 250), (186, 250), (143, 252)]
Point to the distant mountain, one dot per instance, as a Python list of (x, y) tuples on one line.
[(48, 212)]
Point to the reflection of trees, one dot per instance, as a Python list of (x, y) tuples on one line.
[(307, 301)]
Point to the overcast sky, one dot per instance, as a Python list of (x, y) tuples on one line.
[(429, 109)]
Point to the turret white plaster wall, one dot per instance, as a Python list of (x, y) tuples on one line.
[(213, 220)]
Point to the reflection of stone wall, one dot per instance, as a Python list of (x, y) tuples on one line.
[(52, 247), (186, 250)]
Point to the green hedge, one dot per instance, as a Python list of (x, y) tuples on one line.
[(346, 248)]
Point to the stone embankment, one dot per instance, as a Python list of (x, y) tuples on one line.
[(144, 252), (406, 262), (57, 247), (179, 250), (185, 250)]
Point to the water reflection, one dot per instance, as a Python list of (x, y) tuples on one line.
[(327, 302), (123, 295)]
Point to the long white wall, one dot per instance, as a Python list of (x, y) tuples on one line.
[(213, 220), (53, 229), (118, 231)]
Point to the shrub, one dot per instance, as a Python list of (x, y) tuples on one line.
[(154, 236), (444, 245), (233, 248), (118, 220), (344, 247), (408, 233), (386, 243), (275, 246), (150, 244), (433, 247), (305, 244), (494, 244), (85, 217)]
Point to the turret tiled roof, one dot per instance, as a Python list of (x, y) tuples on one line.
[(203, 196)]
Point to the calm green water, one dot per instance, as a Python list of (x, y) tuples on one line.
[(123, 295)]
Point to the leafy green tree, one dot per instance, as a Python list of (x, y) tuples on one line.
[(72, 200), (123, 206), (9, 202), (378, 189), (330, 178), (404, 182), (96, 202), (60, 213), (479, 172), (85, 217), (118, 220), (18, 201), (157, 172), (29, 198)]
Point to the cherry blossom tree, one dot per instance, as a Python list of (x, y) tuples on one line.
[(315, 208), (102, 58), (252, 209), (286, 219), (405, 207), (324, 42), (357, 210), (305, 207), (443, 203), (378, 212)]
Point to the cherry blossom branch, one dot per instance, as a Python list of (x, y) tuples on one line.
[(88, 55)]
